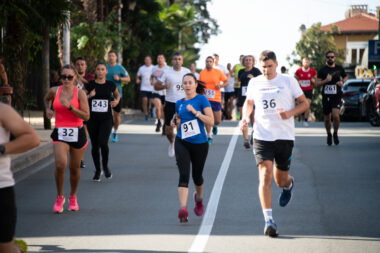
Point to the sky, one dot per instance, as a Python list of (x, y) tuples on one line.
[(252, 26)]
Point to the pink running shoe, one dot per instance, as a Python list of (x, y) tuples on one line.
[(73, 203), (58, 206), (183, 215), (199, 208)]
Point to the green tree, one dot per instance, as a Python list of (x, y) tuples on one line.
[(314, 44)]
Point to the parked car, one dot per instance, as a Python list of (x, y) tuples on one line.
[(371, 102), (353, 92)]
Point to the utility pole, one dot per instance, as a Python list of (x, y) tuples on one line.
[(66, 41)]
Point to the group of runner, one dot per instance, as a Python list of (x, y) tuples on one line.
[(192, 105)]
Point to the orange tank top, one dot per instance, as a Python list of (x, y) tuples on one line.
[(63, 116)]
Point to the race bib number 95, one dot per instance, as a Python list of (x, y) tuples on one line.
[(99, 105), (68, 134), (190, 128)]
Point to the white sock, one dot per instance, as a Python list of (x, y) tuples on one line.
[(209, 135), (115, 131), (289, 187), (267, 214)]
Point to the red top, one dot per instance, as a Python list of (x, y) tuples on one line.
[(305, 78), (63, 116)]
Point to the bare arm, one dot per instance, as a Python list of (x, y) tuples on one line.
[(126, 79), (138, 80), (320, 82), (159, 85), (48, 100), (225, 83), (84, 111), (302, 106), (247, 110), (207, 117), (26, 137), (116, 95)]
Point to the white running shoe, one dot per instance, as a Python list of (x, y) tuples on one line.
[(305, 124), (171, 152)]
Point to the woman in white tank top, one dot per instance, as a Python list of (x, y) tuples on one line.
[(25, 139)]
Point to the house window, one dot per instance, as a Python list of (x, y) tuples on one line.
[(361, 53), (353, 56)]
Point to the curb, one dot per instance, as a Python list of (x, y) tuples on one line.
[(30, 158)]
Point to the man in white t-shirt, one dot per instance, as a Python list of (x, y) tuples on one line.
[(273, 96), (143, 77), (172, 82), (158, 97)]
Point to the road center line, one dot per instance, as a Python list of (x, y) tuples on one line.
[(201, 239)]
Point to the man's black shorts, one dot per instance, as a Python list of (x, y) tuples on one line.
[(308, 94), (7, 214), (118, 107), (169, 111), (331, 102), (280, 151)]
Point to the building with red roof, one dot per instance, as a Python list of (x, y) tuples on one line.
[(354, 32)]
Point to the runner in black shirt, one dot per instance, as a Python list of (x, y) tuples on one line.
[(100, 124), (244, 76), (331, 77)]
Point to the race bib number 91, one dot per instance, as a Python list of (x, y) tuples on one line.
[(68, 134), (330, 89), (190, 128), (210, 93)]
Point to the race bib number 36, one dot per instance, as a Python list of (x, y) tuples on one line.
[(68, 134), (330, 89), (210, 93), (190, 128), (99, 105)]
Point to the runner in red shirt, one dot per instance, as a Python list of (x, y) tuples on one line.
[(306, 76)]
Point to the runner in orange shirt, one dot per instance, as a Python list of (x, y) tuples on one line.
[(212, 78)]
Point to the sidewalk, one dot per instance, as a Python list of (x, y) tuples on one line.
[(45, 149)]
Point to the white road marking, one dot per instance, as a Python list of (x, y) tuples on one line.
[(201, 239)]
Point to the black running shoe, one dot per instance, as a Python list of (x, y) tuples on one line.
[(158, 126), (82, 164), (336, 139), (329, 139), (96, 176), (107, 174)]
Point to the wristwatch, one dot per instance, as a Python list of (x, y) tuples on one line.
[(70, 107), (197, 114), (2, 149)]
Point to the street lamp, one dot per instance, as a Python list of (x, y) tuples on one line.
[(184, 24)]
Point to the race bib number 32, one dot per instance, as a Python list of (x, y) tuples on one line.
[(68, 134), (99, 105), (190, 128), (330, 89)]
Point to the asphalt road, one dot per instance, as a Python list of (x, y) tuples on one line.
[(335, 207)]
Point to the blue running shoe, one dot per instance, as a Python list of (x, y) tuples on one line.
[(270, 229), (286, 195), (146, 117), (115, 137), (214, 130), (209, 139)]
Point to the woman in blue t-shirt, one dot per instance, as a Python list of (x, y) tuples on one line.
[(191, 146)]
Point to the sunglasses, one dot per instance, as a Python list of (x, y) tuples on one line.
[(330, 57), (70, 78)]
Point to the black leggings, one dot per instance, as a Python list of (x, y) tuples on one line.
[(100, 131), (186, 152), (7, 214)]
